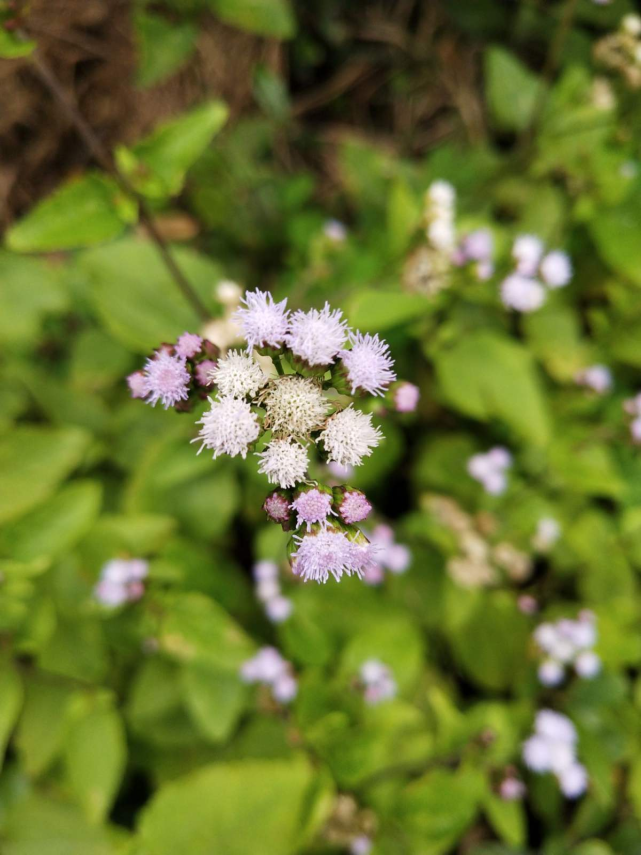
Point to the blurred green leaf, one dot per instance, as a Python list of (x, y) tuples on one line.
[(42, 724), (215, 699), (507, 818), (375, 311), (511, 90), (164, 46), (616, 234), (269, 18), (30, 290), (11, 696), (13, 46)]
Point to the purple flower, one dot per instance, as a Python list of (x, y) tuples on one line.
[(312, 506), (204, 371), (278, 608), (406, 397), (278, 507), (188, 345), (511, 789), (166, 380), (326, 551), (121, 581), (317, 336), (527, 251), (368, 364), (522, 294), (595, 377), (264, 323), (353, 506), (137, 384), (478, 245), (556, 269)]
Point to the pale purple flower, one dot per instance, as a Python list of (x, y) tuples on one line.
[(277, 507), (522, 294), (266, 589), (312, 506), (379, 684), (166, 380), (265, 570), (635, 430), (406, 397), (632, 406), (204, 371), (338, 470), (278, 608), (587, 664), (284, 461), (551, 673), (265, 667), (527, 604), (335, 231), (137, 384), (263, 322), (354, 507), (573, 780), (511, 789), (111, 594), (556, 269), (121, 581), (317, 336), (478, 245), (322, 553), (527, 251), (596, 377), (188, 345), (548, 531), (349, 436), (368, 364), (361, 845), (285, 688), (536, 753), (228, 427), (397, 558), (555, 726), (490, 469), (374, 574)]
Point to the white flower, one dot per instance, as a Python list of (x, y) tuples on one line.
[(441, 193), (587, 664), (350, 436), (631, 24), (556, 269), (263, 322), (527, 251), (555, 726), (442, 234), (536, 753), (295, 406), (265, 570), (573, 780), (317, 336), (596, 377), (522, 294), (360, 845), (278, 608), (285, 688), (551, 672), (265, 667), (228, 293), (228, 427), (548, 531), (284, 461), (368, 364), (237, 375)]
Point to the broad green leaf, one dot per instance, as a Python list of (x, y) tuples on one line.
[(137, 298), (231, 808), (395, 641), (585, 466), (373, 311), (490, 376), (164, 47), (95, 753), (507, 818), (215, 699), (33, 460), (13, 46), (616, 234), (55, 526), (76, 650), (29, 290), (554, 336), (270, 18), (42, 724), (403, 217), (511, 90), (84, 212), (11, 694)]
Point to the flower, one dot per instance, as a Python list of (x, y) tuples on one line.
[(237, 375), (490, 469), (551, 672), (263, 322), (555, 726), (278, 608), (548, 531), (188, 345), (284, 461), (573, 780), (265, 570), (522, 294), (368, 364), (511, 789), (278, 507), (137, 384), (265, 667), (406, 397), (360, 845), (527, 251), (285, 688), (228, 427), (121, 581), (349, 436), (295, 406), (228, 292), (556, 269), (395, 557), (552, 748), (353, 506), (478, 245), (203, 372), (335, 231), (568, 642), (595, 377), (317, 336), (378, 681), (166, 380), (322, 552), (312, 506), (441, 193), (587, 664)]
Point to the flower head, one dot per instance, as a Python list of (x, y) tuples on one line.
[(278, 608), (522, 294), (295, 406), (137, 384), (406, 397), (368, 364), (188, 345), (441, 193), (228, 427), (263, 322), (378, 682), (204, 372), (323, 552), (312, 506), (556, 269), (237, 375), (527, 251), (349, 436), (596, 377), (284, 461), (317, 336), (353, 506), (166, 380), (278, 507), (478, 245), (265, 667), (121, 581)]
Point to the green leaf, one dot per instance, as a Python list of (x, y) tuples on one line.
[(373, 311), (10, 703), (159, 163), (95, 754), (29, 290), (507, 818), (164, 47), (136, 296), (554, 335), (489, 376), (222, 808), (84, 212), (42, 724), (215, 699), (511, 90), (403, 217), (13, 46), (55, 526), (270, 18), (33, 460), (616, 234)]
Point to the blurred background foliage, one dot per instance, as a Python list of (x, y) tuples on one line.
[(243, 126)]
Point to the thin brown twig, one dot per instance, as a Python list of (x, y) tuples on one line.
[(104, 158)]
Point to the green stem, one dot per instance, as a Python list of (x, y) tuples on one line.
[(278, 364)]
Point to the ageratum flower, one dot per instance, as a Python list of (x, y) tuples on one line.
[(316, 336), (349, 436), (368, 364), (188, 345), (295, 406), (522, 294), (238, 376), (166, 380), (324, 552), (284, 461), (264, 323), (228, 427), (312, 506)]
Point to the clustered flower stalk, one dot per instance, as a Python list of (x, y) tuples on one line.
[(292, 390)]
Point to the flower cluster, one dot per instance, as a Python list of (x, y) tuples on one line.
[(490, 469), (281, 397), (390, 555), (378, 682), (121, 581), (552, 748), (476, 248), (524, 288), (269, 668), (267, 586), (568, 643), (598, 378), (633, 408)]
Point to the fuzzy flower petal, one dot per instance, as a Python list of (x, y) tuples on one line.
[(317, 336), (228, 427), (327, 551), (284, 461), (166, 380), (406, 397), (354, 507), (295, 406), (263, 322), (188, 345), (312, 506), (237, 375), (350, 436), (137, 384), (522, 294), (368, 364), (556, 269)]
